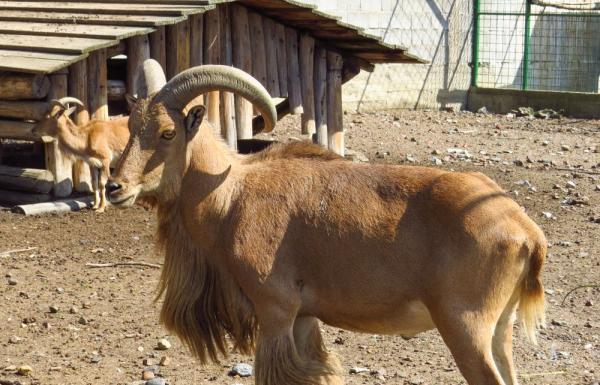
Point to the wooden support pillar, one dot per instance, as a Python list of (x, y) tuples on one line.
[(138, 50), (320, 75), (281, 60), (227, 101), (59, 165), (212, 55), (271, 57), (335, 124), (307, 59), (294, 88), (242, 59), (257, 41), (82, 179), (178, 48), (158, 48), (97, 85)]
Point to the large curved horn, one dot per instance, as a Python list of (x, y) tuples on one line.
[(151, 78), (180, 90), (69, 99)]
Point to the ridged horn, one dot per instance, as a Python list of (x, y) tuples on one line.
[(180, 90), (151, 78), (69, 99)]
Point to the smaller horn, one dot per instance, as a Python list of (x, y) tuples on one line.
[(69, 99), (151, 78), (55, 102)]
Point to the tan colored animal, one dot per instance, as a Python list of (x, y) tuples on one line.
[(98, 143), (261, 247)]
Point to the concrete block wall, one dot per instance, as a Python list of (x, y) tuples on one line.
[(436, 30)]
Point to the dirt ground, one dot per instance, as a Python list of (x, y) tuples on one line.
[(105, 322)]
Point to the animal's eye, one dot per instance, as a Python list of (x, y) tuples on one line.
[(168, 134)]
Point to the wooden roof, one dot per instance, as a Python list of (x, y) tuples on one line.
[(43, 36)]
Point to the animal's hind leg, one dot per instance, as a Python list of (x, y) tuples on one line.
[(502, 345), (310, 346), (278, 360), (469, 337), (95, 177)]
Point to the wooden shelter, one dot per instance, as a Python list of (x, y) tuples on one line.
[(92, 50)]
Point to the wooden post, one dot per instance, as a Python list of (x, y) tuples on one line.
[(138, 50), (335, 124), (307, 60), (282, 62), (178, 48), (227, 101), (294, 89), (197, 48), (320, 75), (59, 165), (97, 85), (82, 179), (257, 41), (17, 86), (271, 57), (242, 59), (158, 48), (212, 55)]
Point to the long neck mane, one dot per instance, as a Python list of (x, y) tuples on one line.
[(71, 138)]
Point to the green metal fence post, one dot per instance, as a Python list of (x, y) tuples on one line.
[(475, 43), (525, 82)]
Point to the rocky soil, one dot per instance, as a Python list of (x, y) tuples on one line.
[(62, 322)]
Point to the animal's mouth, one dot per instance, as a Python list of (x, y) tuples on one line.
[(122, 200)]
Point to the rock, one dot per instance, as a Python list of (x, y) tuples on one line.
[(548, 215), (410, 158), (379, 374), (149, 362), (571, 184), (10, 368), (28, 320), (73, 310), (24, 370), (60, 290), (518, 163), (12, 282), (588, 346), (459, 153), (165, 361), (355, 156), (563, 355), (53, 309), (163, 344), (382, 154), (156, 381), (565, 147), (95, 359), (14, 340), (339, 341), (242, 370), (83, 321), (483, 110), (147, 375), (416, 381), (359, 370), (589, 303), (558, 323), (437, 161)]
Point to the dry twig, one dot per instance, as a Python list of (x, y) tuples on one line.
[(117, 264), (595, 286), (16, 251)]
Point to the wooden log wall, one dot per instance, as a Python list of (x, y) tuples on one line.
[(78, 88)]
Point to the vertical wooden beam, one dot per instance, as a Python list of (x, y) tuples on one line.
[(335, 124), (77, 82), (257, 40), (177, 48), (97, 85), (320, 75), (281, 60), (307, 60), (271, 57), (59, 165), (158, 48), (294, 88), (242, 59), (212, 55), (227, 101), (196, 40), (138, 50)]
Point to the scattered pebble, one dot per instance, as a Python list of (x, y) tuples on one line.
[(12, 282), (242, 370), (146, 375), (165, 361), (24, 370), (95, 359), (53, 309), (83, 321), (359, 370), (73, 310), (14, 340), (163, 344), (156, 381)]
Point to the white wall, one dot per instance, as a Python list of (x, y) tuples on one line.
[(436, 30)]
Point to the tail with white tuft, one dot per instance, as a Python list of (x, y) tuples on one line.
[(531, 305)]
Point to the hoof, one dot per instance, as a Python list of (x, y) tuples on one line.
[(100, 209)]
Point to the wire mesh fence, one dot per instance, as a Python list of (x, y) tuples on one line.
[(536, 45)]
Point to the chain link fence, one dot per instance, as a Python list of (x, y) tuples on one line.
[(537, 45)]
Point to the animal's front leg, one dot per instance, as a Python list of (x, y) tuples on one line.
[(95, 175), (103, 178)]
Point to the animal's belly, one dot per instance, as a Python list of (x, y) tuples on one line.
[(407, 320)]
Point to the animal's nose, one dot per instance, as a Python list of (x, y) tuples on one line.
[(112, 186)]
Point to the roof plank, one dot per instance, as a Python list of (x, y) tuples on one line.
[(72, 30), (53, 44), (35, 62), (158, 9), (88, 18)]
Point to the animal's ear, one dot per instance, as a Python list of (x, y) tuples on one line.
[(131, 101), (68, 112), (194, 119)]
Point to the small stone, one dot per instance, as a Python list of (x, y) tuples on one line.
[(483, 110), (563, 355), (547, 215), (597, 187), (149, 362), (165, 361), (97, 250), (73, 310), (14, 340), (24, 370), (28, 320), (589, 303), (242, 370), (571, 184), (588, 346), (558, 323), (156, 381), (10, 368), (339, 341), (83, 321), (95, 359), (358, 370), (60, 290), (437, 161), (147, 375), (565, 147), (53, 309), (163, 344), (12, 282)]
